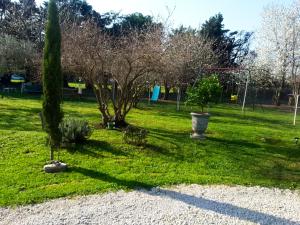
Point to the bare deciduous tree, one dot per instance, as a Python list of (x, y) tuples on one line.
[(116, 68), (186, 56), (16, 54)]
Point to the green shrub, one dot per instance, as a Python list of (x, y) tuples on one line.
[(204, 91), (74, 130), (135, 136)]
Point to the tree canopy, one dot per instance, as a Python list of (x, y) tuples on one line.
[(230, 46)]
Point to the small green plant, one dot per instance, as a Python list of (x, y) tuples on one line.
[(135, 136), (74, 130), (204, 91)]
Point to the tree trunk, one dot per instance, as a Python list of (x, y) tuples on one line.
[(135, 103), (51, 153), (105, 119), (102, 108), (278, 93), (120, 121), (167, 91), (277, 97)]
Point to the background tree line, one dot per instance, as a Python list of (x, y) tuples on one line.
[(118, 56)]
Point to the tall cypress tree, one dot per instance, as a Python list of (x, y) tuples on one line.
[(52, 78)]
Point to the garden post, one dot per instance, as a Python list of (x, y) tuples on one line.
[(178, 98), (296, 108), (245, 94)]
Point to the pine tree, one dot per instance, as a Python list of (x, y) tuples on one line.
[(52, 78)]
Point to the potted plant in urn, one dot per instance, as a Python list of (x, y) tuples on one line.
[(202, 93)]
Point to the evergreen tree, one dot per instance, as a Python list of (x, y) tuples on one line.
[(134, 21), (52, 78), (214, 28), (230, 46)]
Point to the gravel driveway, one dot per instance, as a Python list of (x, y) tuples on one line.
[(192, 204)]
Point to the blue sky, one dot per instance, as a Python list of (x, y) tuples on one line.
[(238, 14)]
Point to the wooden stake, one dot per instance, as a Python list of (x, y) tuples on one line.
[(178, 99), (245, 94), (296, 108)]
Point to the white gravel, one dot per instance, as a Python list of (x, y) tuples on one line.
[(192, 204)]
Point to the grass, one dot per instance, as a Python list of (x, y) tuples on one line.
[(256, 149)]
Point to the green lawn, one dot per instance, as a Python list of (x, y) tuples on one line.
[(257, 149)]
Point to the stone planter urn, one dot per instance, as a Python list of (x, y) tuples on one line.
[(199, 124)]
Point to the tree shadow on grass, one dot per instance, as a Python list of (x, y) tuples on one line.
[(166, 114), (226, 148), (280, 173), (177, 139), (243, 154), (96, 149), (74, 113), (132, 184), (229, 144), (284, 166), (237, 143), (291, 153), (21, 119), (175, 114), (173, 156), (18, 95), (271, 161), (250, 119), (174, 136), (261, 151), (230, 148)]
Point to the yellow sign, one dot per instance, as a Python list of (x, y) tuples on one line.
[(17, 81), (234, 98), (77, 85)]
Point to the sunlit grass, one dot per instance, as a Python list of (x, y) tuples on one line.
[(252, 149)]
